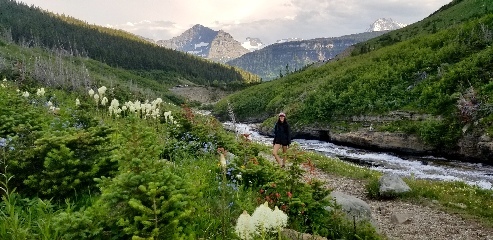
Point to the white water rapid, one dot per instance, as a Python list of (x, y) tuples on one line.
[(419, 167)]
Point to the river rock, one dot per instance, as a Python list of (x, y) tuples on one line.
[(400, 218), (355, 208), (392, 185), (294, 235)]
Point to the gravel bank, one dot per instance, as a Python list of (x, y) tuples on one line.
[(425, 222)]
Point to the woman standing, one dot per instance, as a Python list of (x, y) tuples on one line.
[(282, 138)]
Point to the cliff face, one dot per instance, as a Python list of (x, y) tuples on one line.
[(224, 48), (204, 42), (470, 148)]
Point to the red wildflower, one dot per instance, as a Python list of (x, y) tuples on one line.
[(284, 207), (290, 195)]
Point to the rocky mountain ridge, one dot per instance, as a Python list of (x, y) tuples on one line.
[(218, 46), (282, 58), (385, 24)]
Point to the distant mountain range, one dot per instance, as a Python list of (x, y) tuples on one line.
[(281, 58), (269, 61)]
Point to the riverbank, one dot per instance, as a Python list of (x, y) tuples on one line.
[(400, 219), (420, 167), (473, 147), (415, 218)]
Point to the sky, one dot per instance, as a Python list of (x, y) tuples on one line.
[(268, 20)]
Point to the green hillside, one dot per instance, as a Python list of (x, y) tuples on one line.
[(31, 26), (92, 150), (440, 67)]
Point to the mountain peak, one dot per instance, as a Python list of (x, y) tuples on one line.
[(207, 43), (197, 26), (384, 24)]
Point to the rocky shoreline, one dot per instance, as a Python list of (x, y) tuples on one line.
[(475, 147), (472, 147)]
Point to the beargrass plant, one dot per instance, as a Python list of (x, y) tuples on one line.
[(135, 175)]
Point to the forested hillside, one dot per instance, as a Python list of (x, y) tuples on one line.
[(438, 70), (31, 26)]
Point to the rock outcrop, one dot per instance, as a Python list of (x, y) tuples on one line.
[(204, 42)]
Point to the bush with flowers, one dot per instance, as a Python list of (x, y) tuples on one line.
[(142, 169)]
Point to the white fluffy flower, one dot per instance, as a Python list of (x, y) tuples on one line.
[(104, 101), (114, 107), (25, 94), (91, 92), (279, 219), (40, 92), (262, 218), (114, 103), (101, 90), (167, 115), (96, 98), (245, 228), (77, 102)]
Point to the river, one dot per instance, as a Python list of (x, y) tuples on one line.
[(428, 167)]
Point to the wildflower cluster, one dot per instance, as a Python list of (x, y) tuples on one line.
[(52, 108), (269, 193), (147, 109), (263, 221), (40, 92)]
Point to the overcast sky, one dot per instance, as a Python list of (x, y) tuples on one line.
[(269, 20)]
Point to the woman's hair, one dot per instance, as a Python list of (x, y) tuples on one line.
[(279, 120)]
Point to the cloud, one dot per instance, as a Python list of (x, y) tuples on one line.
[(157, 30), (332, 18), (268, 20)]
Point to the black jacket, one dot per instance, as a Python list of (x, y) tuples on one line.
[(282, 134)]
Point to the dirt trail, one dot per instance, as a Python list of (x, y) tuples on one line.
[(425, 222)]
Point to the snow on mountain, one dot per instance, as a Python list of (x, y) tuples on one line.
[(289, 40), (252, 44), (385, 24), (207, 43)]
